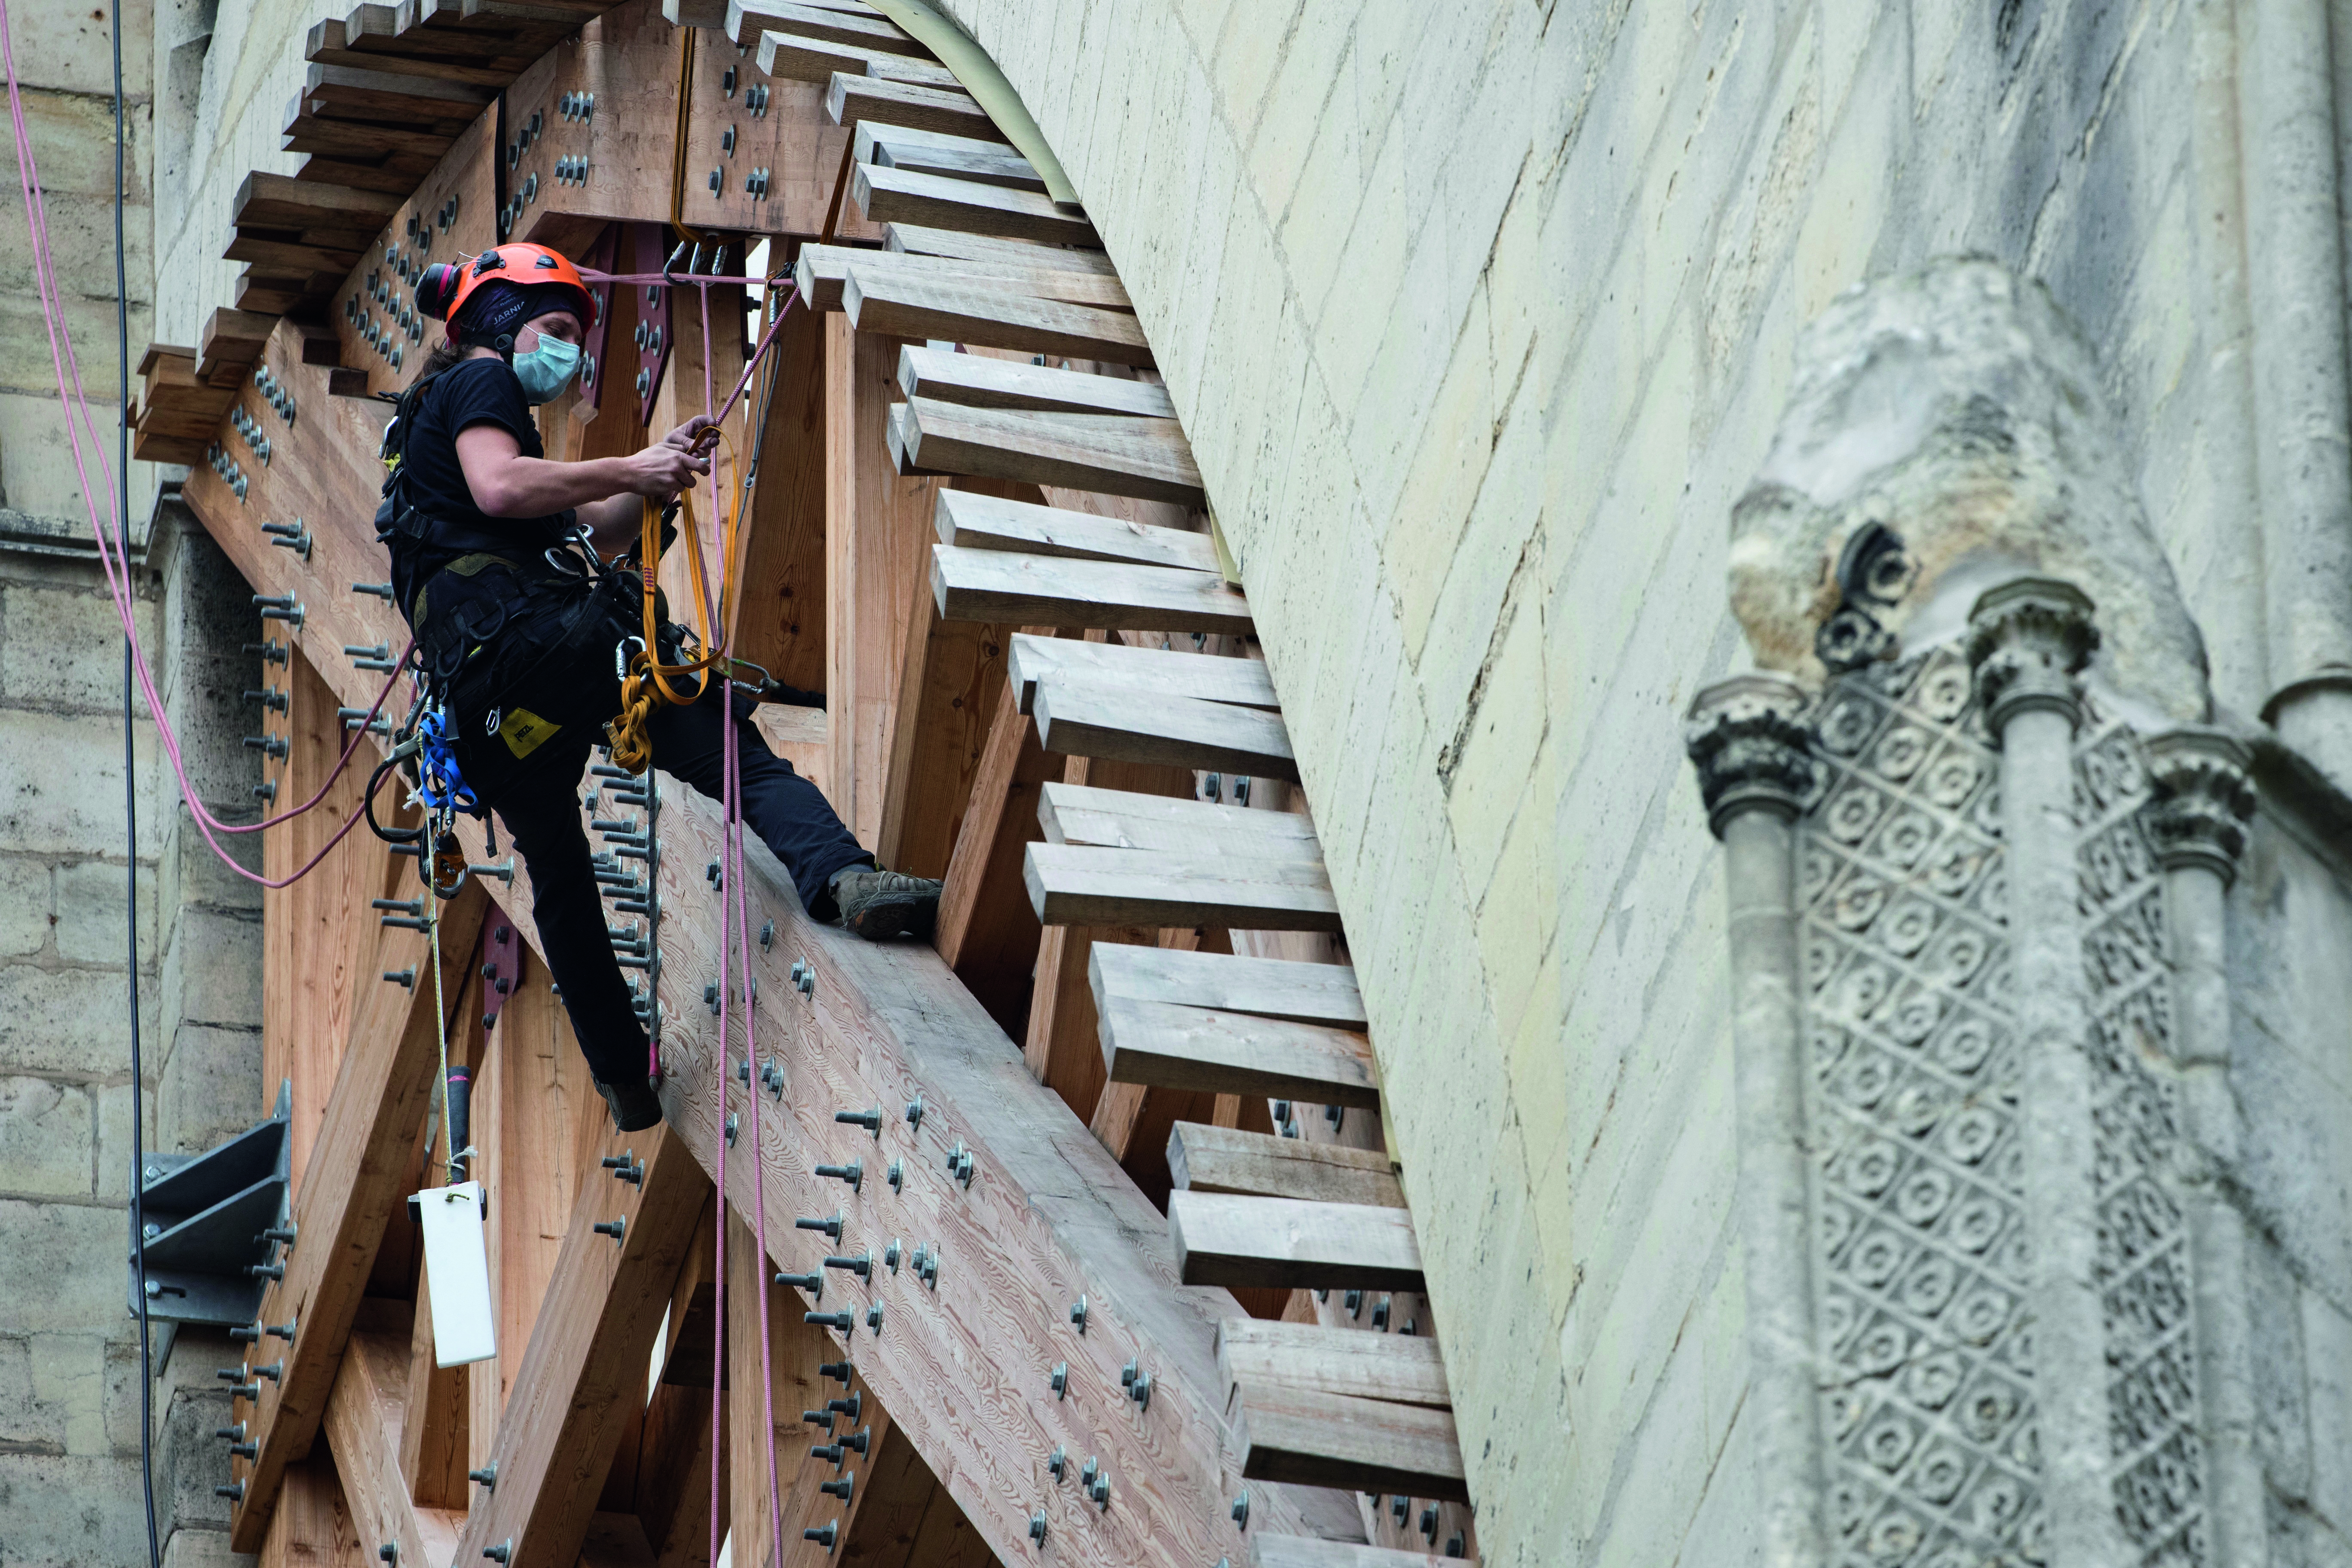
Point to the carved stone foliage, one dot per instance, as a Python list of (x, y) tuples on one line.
[(1922, 1247), (2143, 1271), (1923, 1225)]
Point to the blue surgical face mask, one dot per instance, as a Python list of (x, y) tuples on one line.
[(548, 369)]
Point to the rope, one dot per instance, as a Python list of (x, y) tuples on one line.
[(441, 1031), (678, 157)]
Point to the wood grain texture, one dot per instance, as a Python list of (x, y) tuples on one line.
[(1072, 814), (938, 200), (922, 239), (1307, 1552), (1032, 590), (981, 381), (978, 162), (1156, 1043), (1083, 718), (971, 522), (1267, 987), (1148, 458), (1071, 884), (311, 1528), (780, 618), (940, 302), (851, 99), (1315, 1438), (747, 19), (1404, 1368), (434, 1434), (1225, 1160), (265, 200), (350, 1184), (1224, 1238), (821, 272), (362, 1423), (986, 931), (798, 56)]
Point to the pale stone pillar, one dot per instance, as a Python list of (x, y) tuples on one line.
[(2197, 822), (1755, 766), (2029, 640)]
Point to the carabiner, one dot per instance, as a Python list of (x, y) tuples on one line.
[(621, 656)]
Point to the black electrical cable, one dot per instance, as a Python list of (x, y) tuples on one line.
[(131, 834)]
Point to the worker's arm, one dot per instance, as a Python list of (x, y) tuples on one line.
[(617, 523), (505, 483)]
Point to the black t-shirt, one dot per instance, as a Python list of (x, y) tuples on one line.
[(471, 392)]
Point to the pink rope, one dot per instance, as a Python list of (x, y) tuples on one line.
[(80, 420)]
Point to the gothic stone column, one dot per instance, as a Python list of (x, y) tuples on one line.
[(2029, 640), (1755, 766)]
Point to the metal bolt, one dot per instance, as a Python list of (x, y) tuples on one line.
[(234, 1491), (627, 1167), (1141, 1391), (820, 1419), (1380, 1314), (487, 1475), (388, 1552), (767, 935), (1100, 1491), (823, 1533), (830, 1224), (853, 1172), (840, 1371), (1401, 1509), (844, 1322), (812, 1283), (730, 1129), (1354, 1303), (829, 1452), (266, 1271), (1061, 1380), (869, 1120), (1078, 1314), (840, 1489), (1454, 1545), (503, 1551), (874, 1317), (861, 1265), (1058, 1464), (1429, 1523), (615, 1228), (231, 1434), (914, 1114), (890, 1253), (1037, 1527), (898, 1174), (1240, 1511)]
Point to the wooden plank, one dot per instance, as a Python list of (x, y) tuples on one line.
[(986, 160), (265, 200), (1143, 457), (302, 131), (850, 100), (277, 256), (1072, 884), (1110, 818), (922, 239), (348, 1188), (1159, 1043), (583, 1376), (1225, 1239), (980, 381), (233, 337), (327, 44), (780, 621), (796, 57), (895, 297), (433, 1443), (363, 1424), (938, 200), (1081, 717), (1313, 1438), (987, 933), (1400, 1368), (971, 522), (1308, 1551), (311, 1528), (1226, 1159), (1030, 590), (747, 19), (1264, 987), (821, 272), (391, 98)]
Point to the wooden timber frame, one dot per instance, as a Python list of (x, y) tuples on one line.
[(1039, 686)]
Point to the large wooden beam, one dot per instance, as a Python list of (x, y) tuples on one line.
[(1225, 1239), (1403, 1368), (349, 1189), (1225, 1160), (1085, 718), (583, 1376), (823, 270), (363, 1421), (1315, 1438), (1029, 589), (987, 933), (1073, 884), (986, 522)]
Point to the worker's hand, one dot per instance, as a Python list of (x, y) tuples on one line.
[(698, 434), (661, 471)]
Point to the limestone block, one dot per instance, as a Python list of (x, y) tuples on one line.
[(68, 1021), (198, 1546), (25, 905), (2327, 1372), (1957, 406), (46, 1138), (60, 1511), (211, 969), (70, 1377), (208, 1088), (61, 645), (92, 911), (189, 1461), (62, 792), (114, 1149), (25, 1425), (2278, 1371), (79, 1254)]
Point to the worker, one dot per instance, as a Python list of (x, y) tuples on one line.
[(519, 576)]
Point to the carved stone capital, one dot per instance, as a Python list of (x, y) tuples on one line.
[(2202, 802), (1753, 752), (2028, 640)]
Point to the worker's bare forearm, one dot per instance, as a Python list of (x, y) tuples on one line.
[(534, 487), (615, 523)]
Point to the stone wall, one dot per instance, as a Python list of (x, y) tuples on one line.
[(1480, 318)]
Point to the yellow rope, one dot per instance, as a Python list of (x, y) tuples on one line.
[(646, 680), (441, 1029)]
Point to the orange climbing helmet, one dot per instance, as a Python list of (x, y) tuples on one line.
[(446, 287)]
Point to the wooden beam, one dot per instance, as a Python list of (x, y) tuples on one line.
[(1157, 1043), (1080, 718), (1225, 1160), (1074, 814), (1319, 1439), (922, 239), (1267, 987), (936, 201), (971, 522), (1222, 1239), (1307, 1551), (796, 57), (1072, 884), (233, 338), (348, 1188), (988, 162), (926, 302), (390, 98), (747, 19), (1034, 590), (980, 381), (948, 691), (328, 44), (852, 100), (363, 1420), (987, 933), (583, 1376), (277, 256), (1401, 1368), (780, 623), (433, 1444), (821, 270), (313, 1526), (265, 200)]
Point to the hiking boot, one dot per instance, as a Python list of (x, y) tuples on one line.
[(879, 905), (635, 1107)]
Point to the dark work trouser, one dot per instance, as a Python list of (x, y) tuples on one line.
[(541, 813)]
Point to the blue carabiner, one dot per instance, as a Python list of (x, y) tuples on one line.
[(439, 785)]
